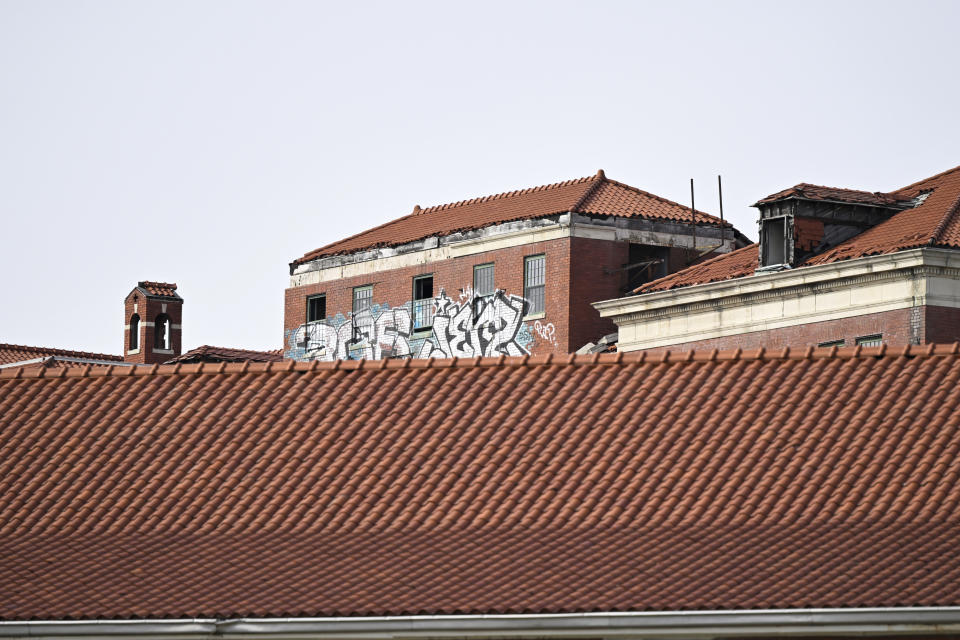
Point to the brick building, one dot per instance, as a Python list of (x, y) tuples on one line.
[(834, 267), (509, 274)]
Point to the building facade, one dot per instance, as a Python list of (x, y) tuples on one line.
[(834, 267), (511, 274)]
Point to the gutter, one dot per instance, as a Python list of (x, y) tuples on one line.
[(652, 624)]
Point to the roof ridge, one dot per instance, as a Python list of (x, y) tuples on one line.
[(601, 178), (944, 221), (665, 356), (826, 186), (54, 351), (630, 187), (507, 194)]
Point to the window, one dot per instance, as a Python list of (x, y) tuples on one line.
[(870, 341), (316, 308), (134, 331), (534, 275), (773, 237), (422, 303), (161, 332), (362, 301), (832, 343), (483, 288)]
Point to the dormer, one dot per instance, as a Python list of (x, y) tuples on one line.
[(153, 313), (808, 219)]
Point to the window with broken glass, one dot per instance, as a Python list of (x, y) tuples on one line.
[(483, 289), (422, 303), (362, 301), (534, 277)]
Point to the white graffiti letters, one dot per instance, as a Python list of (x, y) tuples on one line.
[(546, 331), (473, 326), (373, 336)]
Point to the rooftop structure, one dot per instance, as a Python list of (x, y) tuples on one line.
[(834, 266), (508, 274)]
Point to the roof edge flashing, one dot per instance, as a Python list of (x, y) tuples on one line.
[(667, 624)]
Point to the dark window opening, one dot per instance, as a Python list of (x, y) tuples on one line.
[(161, 332), (316, 308), (534, 279), (645, 263), (832, 343), (774, 240), (870, 341), (422, 303), (134, 331)]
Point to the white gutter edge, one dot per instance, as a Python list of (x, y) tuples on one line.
[(713, 624)]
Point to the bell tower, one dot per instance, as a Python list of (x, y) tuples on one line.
[(153, 313)]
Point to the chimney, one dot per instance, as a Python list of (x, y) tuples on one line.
[(153, 313)]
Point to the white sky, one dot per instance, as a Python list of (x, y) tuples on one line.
[(210, 143)]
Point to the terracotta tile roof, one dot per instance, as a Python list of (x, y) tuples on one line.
[(595, 195), (610, 482), (817, 192), (935, 222), (736, 264), (10, 353), (208, 353), (165, 289)]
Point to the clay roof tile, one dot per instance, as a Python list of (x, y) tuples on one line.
[(639, 483)]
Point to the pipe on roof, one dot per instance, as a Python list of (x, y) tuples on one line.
[(648, 624)]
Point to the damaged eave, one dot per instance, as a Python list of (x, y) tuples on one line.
[(647, 624)]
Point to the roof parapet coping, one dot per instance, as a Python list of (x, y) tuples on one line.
[(649, 624), (659, 356)]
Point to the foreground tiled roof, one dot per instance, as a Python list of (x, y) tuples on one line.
[(935, 222), (597, 483), (10, 353), (208, 353), (596, 195)]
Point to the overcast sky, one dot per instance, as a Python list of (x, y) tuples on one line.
[(211, 143)]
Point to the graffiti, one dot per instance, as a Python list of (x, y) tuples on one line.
[(546, 331), (468, 327), (476, 326), (372, 334)]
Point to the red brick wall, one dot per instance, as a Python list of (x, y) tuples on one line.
[(899, 327), (941, 324), (395, 287), (148, 310), (596, 274)]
